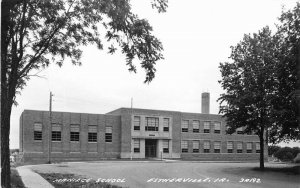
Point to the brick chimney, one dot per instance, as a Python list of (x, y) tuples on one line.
[(205, 103)]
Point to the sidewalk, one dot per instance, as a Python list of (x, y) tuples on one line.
[(32, 179)]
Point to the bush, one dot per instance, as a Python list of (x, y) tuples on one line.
[(297, 158), (287, 153), (273, 149)]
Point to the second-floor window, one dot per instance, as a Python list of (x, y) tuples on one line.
[(217, 127), (152, 124), (196, 126), (239, 130), (137, 123), (185, 126), (206, 127), (166, 124)]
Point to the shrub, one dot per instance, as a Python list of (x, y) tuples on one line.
[(273, 149), (285, 154)]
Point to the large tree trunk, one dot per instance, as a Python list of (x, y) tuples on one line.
[(261, 154), (5, 129)]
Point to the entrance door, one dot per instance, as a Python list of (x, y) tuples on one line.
[(150, 148)]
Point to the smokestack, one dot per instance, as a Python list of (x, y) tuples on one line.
[(205, 103)]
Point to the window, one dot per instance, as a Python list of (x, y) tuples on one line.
[(166, 146), (249, 147), (196, 125), (166, 124), (257, 147), (239, 147), (108, 134), (151, 124), (136, 145), (206, 146), (185, 126), (195, 146), (206, 127), (229, 147), (37, 133), (184, 146), (92, 134), (136, 123), (217, 127), (56, 132), (74, 133), (239, 130), (217, 147)]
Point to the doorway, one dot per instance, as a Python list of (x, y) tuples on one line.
[(150, 148)]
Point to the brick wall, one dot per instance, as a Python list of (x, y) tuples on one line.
[(66, 149)]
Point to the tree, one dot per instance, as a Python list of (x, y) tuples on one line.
[(248, 82), (36, 33), (261, 83), (286, 101)]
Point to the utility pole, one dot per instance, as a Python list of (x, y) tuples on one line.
[(132, 119), (50, 129)]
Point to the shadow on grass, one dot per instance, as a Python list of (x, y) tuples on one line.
[(71, 180), (293, 170), (15, 179)]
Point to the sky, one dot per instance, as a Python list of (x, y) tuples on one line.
[(196, 35)]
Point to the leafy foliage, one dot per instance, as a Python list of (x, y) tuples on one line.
[(41, 32), (36, 33)]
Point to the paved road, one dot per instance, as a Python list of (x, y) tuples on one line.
[(147, 174)]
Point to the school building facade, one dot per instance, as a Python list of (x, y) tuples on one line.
[(133, 133)]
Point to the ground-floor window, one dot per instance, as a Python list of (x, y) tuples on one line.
[(257, 147), (249, 147), (229, 147), (108, 134), (166, 146), (195, 146), (239, 147), (136, 145), (37, 134), (92, 134), (217, 147), (206, 146), (184, 146), (74, 133), (56, 132)]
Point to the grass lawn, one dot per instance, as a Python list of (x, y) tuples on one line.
[(70, 180), (16, 181)]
